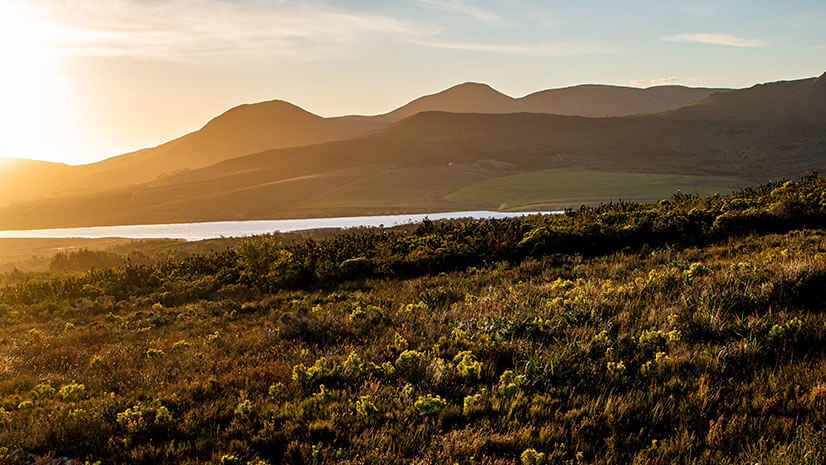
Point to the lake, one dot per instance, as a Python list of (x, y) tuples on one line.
[(217, 229)]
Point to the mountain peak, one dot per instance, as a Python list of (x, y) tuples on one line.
[(471, 85), (269, 111), (472, 90), (468, 97)]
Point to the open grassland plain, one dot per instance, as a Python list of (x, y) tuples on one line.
[(562, 188), (691, 330)]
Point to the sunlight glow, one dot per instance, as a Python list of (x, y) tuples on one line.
[(30, 84)]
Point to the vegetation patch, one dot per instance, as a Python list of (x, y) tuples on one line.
[(690, 331), (561, 188)]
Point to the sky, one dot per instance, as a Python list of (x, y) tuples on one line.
[(83, 80)]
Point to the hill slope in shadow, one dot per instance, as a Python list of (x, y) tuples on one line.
[(275, 124), (752, 135)]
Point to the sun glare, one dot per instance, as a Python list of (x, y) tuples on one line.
[(30, 82)]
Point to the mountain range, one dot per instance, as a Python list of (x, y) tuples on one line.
[(277, 124), (466, 147)]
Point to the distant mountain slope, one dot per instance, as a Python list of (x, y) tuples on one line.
[(586, 100), (601, 101), (277, 124), (23, 179), (803, 100), (751, 135), (470, 97), (239, 131)]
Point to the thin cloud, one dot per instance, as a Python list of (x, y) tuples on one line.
[(655, 82), (182, 30), (541, 49), (464, 8), (715, 38)]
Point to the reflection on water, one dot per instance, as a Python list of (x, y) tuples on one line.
[(216, 229)]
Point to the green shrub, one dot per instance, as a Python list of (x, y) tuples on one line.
[(72, 391), (429, 405), (531, 457)]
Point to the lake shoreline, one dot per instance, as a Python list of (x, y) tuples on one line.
[(195, 231)]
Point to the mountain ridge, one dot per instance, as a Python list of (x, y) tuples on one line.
[(799, 98), (416, 164), (453, 99), (274, 124), (575, 100)]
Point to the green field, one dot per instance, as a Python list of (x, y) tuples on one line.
[(419, 189), (560, 188)]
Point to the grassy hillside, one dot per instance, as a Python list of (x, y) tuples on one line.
[(685, 331), (562, 188), (369, 189)]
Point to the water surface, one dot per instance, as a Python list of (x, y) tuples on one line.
[(216, 229)]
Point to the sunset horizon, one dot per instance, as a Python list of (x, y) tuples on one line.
[(665, 82), (92, 80)]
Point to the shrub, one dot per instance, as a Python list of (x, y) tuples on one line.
[(412, 364), (243, 409), (26, 404), (230, 459), (366, 408), (510, 383), (181, 344), (162, 416), (132, 418), (429, 405), (276, 390), (154, 353), (531, 457), (474, 403), (358, 267), (43, 391), (96, 362), (72, 391)]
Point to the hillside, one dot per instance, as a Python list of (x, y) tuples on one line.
[(603, 101), (446, 161), (800, 101), (687, 331), (277, 124), (241, 130), (586, 100), (470, 97), (23, 179)]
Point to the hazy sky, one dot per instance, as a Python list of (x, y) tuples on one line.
[(86, 79)]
